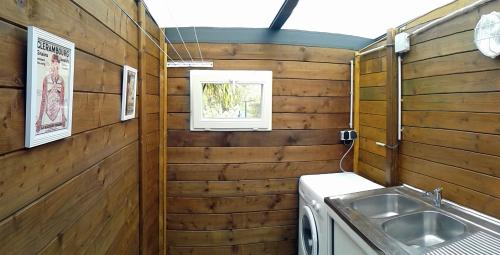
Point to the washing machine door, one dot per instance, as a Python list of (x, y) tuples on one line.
[(308, 232)]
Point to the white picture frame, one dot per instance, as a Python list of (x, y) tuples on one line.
[(49, 87), (129, 92), (260, 122)]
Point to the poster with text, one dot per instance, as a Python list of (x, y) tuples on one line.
[(50, 87)]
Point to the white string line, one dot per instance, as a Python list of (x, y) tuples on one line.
[(198, 43), (179, 32), (168, 41), (144, 31)]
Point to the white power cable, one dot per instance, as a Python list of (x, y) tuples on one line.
[(142, 29), (343, 157)]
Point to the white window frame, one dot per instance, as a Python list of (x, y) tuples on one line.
[(198, 77)]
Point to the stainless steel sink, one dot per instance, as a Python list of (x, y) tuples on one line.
[(386, 205), (404, 220), (425, 228)]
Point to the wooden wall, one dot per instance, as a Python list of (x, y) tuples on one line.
[(451, 115), (80, 194), (236, 192), (372, 118)]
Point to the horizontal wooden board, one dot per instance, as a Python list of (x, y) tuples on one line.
[(232, 204), (281, 87), (87, 233), (231, 221), (309, 121), (152, 85), (286, 104), (265, 51), (281, 69), (69, 201), (90, 111), (248, 171), (280, 121), (374, 134), (288, 247), (372, 120), (231, 237), (466, 121), (470, 141), (373, 107), (372, 94), (454, 83), (373, 79), (371, 173), (254, 154), (375, 65), (179, 138), (13, 48), (232, 188), (29, 174), (94, 74), (452, 44), (472, 61), (113, 17), (460, 102), (479, 182), (459, 194), (474, 161), (461, 23), (371, 146), (372, 159), (87, 32)]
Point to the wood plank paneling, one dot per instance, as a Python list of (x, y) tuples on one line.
[(254, 154), (232, 221), (281, 69), (248, 171), (267, 52), (450, 115), (281, 247), (180, 138), (239, 189), (79, 194), (232, 204), (231, 237)]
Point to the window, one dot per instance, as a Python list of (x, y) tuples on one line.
[(231, 100)]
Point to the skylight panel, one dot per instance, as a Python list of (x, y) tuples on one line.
[(214, 13)]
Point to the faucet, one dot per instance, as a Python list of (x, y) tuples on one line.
[(435, 195)]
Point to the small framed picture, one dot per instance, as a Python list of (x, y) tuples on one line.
[(49, 87), (129, 88)]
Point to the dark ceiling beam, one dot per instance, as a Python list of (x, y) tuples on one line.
[(283, 14)]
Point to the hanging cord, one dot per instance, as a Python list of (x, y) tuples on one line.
[(198, 43), (143, 31), (168, 41), (343, 157), (180, 35)]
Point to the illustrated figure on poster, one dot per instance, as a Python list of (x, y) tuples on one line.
[(130, 105), (51, 116)]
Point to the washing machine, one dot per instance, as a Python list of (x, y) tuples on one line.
[(315, 228)]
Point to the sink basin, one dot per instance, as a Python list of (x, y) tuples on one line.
[(386, 205), (423, 229)]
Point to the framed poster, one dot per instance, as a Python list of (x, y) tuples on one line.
[(129, 87), (49, 87)]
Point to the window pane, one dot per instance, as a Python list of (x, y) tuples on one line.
[(232, 100)]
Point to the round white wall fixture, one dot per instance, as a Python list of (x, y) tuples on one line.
[(487, 34)]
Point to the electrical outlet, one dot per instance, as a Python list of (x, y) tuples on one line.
[(348, 135)]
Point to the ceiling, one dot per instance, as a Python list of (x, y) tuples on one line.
[(365, 18)]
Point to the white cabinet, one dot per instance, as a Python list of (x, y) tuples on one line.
[(345, 240)]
